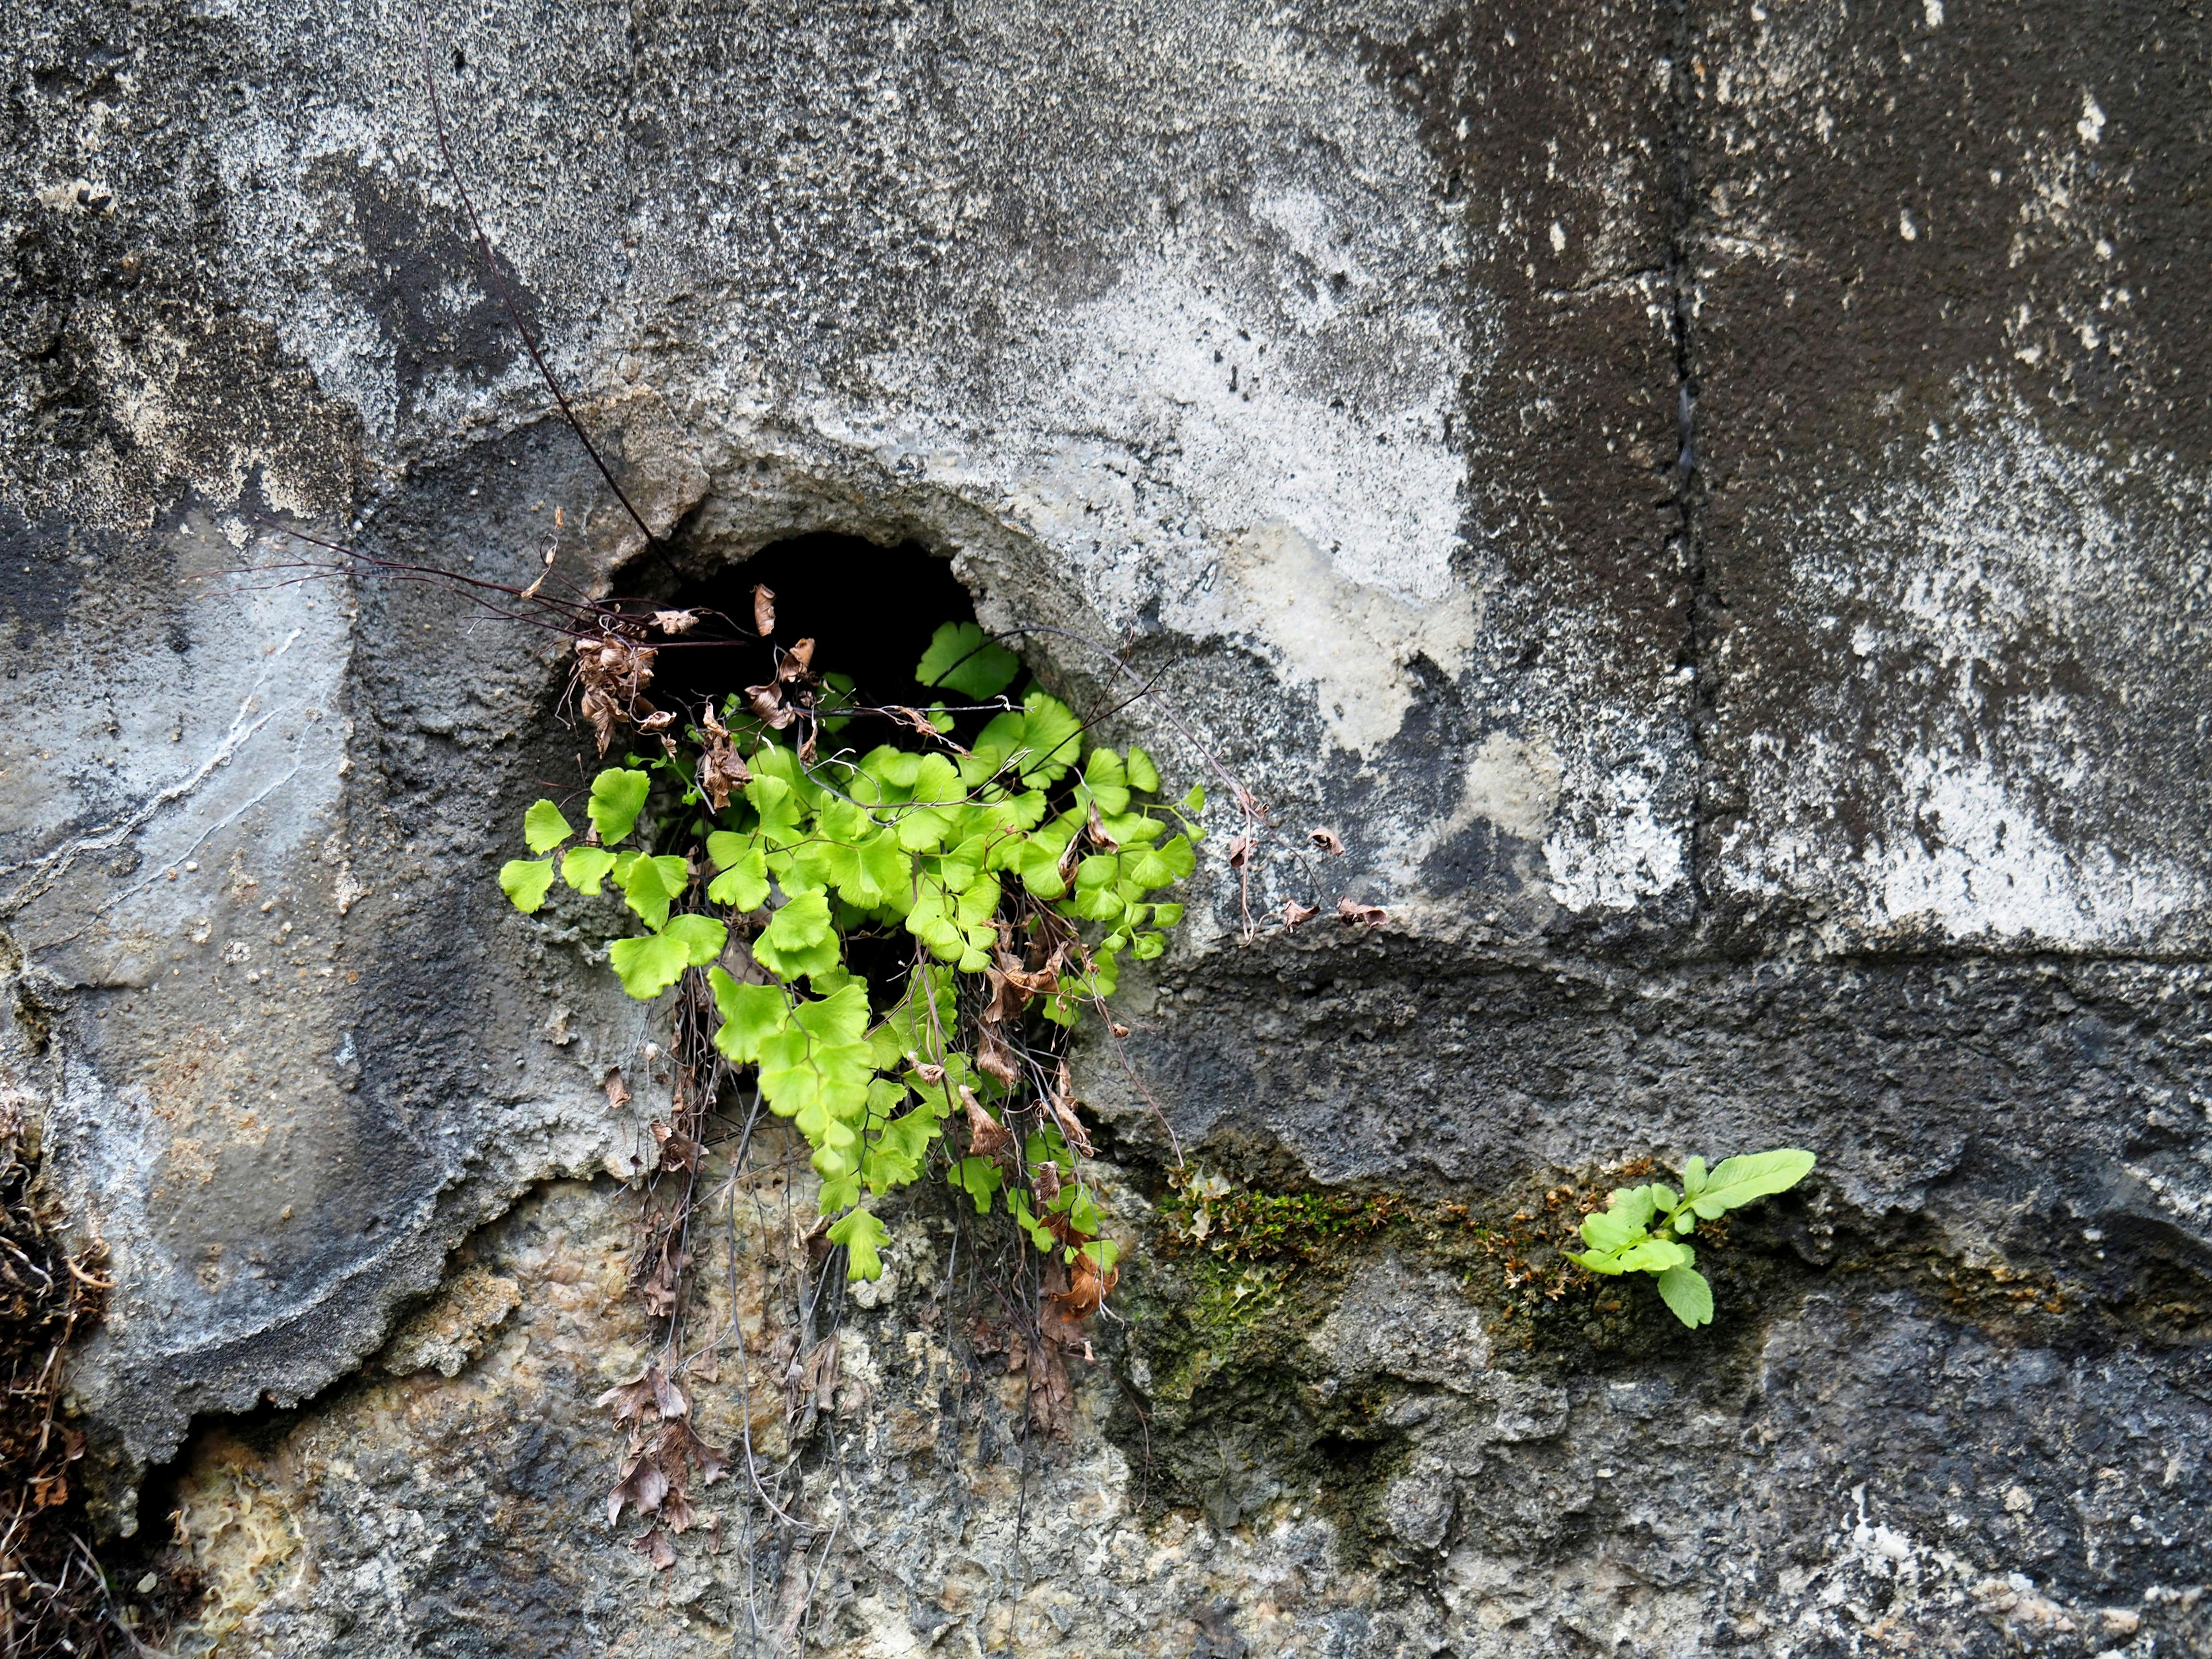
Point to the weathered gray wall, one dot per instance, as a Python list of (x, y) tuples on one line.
[(1710, 501)]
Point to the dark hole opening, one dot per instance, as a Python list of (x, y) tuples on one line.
[(870, 610)]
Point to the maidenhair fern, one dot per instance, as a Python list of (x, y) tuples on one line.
[(1021, 868)]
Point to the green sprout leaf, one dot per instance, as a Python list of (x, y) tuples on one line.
[(862, 1235), (1614, 1229), (526, 881), (617, 796), (544, 827), (649, 964), (1621, 1238), (1686, 1292), (1738, 1181), (960, 659)]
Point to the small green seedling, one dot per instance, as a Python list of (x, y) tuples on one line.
[(1641, 1231)]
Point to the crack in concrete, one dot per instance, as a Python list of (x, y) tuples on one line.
[(1687, 499), (53, 866)]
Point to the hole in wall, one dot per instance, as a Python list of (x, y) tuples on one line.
[(871, 609)]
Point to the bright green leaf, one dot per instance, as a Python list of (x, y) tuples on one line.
[(840, 1019), (960, 659), (1107, 781), (1652, 1255), (525, 882), (743, 884), (649, 964), (1635, 1206), (1051, 736), (1143, 775), (650, 882), (799, 940), (862, 1235), (701, 937), (585, 867), (544, 827), (1038, 867), (1150, 867), (1739, 1181), (1104, 1254), (979, 1178), (1688, 1295), (750, 1015), (1598, 1261), (617, 796)]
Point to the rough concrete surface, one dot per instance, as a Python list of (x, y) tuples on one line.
[(1708, 500)]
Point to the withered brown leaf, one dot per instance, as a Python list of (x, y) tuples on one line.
[(1328, 841), (599, 708), (643, 1484), (993, 1057), (659, 1291), (678, 1514), (712, 1461), (552, 550), (797, 662), (1061, 1103), (630, 1399), (667, 1398), (987, 1136), (720, 771), (676, 621), (763, 610), (767, 704), (1295, 914), (1011, 987), (677, 1150), (614, 673), (655, 1547), (1239, 851), (618, 1090), (1096, 828), (1087, 1286), (1361, 915)]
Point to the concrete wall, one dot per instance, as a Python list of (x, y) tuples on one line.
[(1708, 501)]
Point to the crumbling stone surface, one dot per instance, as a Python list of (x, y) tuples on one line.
[(1705, 501)]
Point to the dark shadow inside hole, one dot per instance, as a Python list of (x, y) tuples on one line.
[(870, 610)]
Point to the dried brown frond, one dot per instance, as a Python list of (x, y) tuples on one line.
[(54, 1597)]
